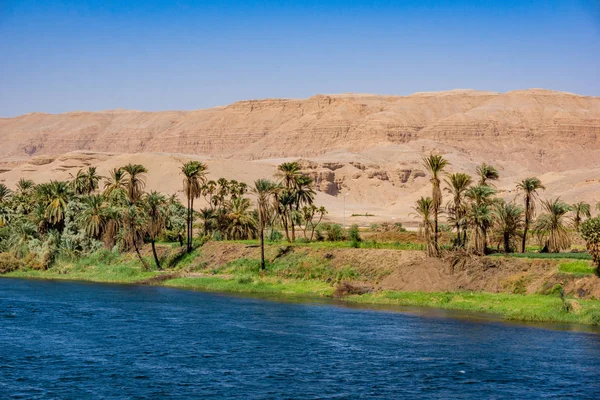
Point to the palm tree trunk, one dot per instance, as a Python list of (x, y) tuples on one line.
[(187, 222), (506, 242), (435, 237), (191, 234), (292, 224), (526, 228), (284, 220), (155, 255), (144, 263), (262, 246), (458, 237)]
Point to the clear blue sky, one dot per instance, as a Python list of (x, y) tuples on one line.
[(58, 56)]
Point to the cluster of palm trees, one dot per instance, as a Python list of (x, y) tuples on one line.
[(119, 213), (90, 211), (479, 219)]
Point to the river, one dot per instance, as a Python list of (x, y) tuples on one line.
[(80, 340)]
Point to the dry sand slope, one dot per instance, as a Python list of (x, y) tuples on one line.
[(368, 146)]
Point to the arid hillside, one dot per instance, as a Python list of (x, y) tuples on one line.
[(368, 146)]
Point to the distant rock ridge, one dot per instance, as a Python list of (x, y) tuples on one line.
[(525, 121)]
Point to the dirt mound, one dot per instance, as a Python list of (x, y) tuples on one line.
[(382, 269)]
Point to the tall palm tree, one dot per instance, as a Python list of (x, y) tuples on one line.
[(194, 176), (94, 216), (487, 173), (208, 217), (291, 177), (529, 187), (284, 203), (241, 222), (156, 209), (92, 180), (135, 181), (479, 215), (424, 210), (263, 189), (551, 225), (435, 165), (133, 219), (457, 185), (288, 173), (116, 182), (581, 210), (78, 183), (509, 218)]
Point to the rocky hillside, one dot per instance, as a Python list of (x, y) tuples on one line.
[(365, 145)]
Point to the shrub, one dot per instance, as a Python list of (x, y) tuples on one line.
[(354, 236), (590, 232), (334, 232), (9, 263), (275, 236)]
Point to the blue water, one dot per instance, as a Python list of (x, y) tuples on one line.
[(74, 340)]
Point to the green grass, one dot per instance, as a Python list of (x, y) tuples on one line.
[(365, 244), (244, 284), (539, 308), (579, 267), (103, 266), (572, 256)]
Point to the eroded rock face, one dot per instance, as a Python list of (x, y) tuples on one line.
[(537, 124)]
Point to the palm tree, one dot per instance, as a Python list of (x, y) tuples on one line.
[(25, 186), (487, 173), (116, 182), (581, 210), (284, 202), (5, 193), (208, 216), (552, 225), (134, 224), (424, 209), (21, 232), (291, 177), (263, 189), (92, 180), (458, 184), (135, 181), (194, 176), (156, 208), (54, 197), (509, 218), (479, 215), (93, 216), (241, 222), (435, 164), (288, 173), (78, 183), (529, 186)]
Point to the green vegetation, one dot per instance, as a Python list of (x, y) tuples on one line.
[(590, 231), (535, 308), (577, 268), (573, 256)]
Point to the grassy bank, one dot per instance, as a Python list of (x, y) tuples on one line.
[(303, 274)]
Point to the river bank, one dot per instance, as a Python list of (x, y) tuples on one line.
[(525, 290)]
